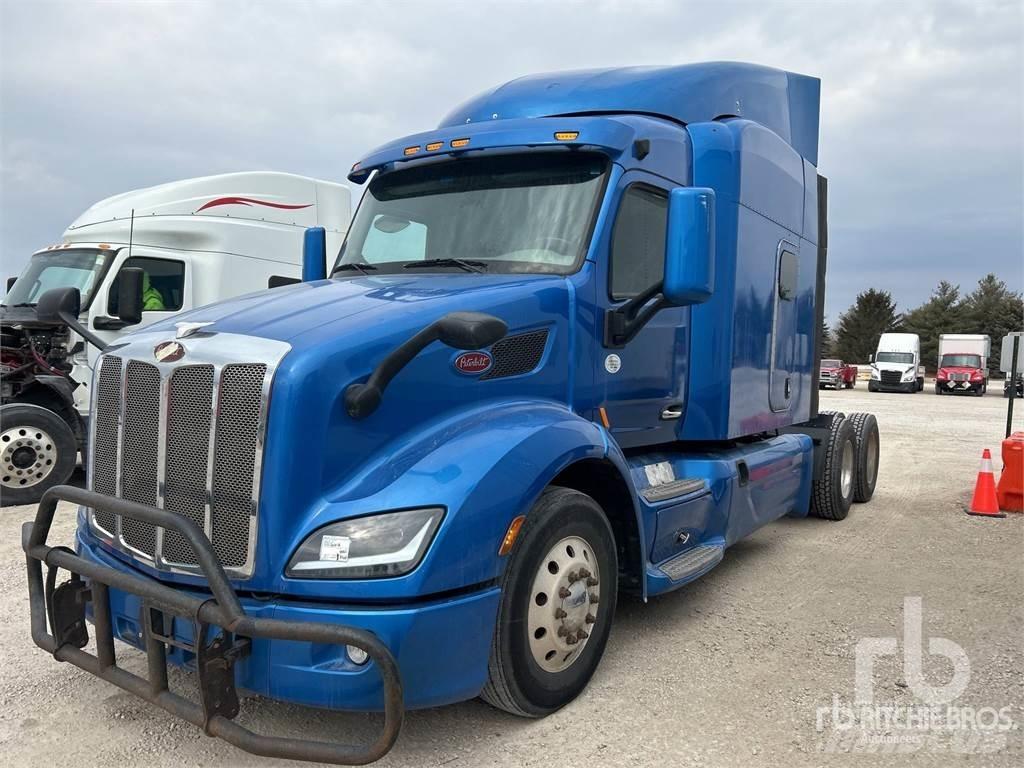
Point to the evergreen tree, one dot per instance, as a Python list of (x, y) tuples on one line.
[(992, 309), (872, 314), (940, 314), (827, 342)]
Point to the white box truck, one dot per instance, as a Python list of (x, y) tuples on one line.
[(896, 364), (195, 241), (963, 364)]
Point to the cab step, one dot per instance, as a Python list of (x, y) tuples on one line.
[(693, 562)]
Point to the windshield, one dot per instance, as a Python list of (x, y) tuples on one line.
[(514, 213), (895, 357), (960, 361), (830, 363), (80, 268)]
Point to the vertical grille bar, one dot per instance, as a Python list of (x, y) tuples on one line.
[(187, 450), (234, 461), (106, 429), (140, 450)]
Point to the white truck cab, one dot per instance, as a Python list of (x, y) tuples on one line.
[(896, 364), (197, 241)]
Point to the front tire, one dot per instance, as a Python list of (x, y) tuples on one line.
[(832, 492), (37, 451), (557, 600)]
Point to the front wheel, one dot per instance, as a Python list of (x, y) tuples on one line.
[(37, 451), (557, 600)]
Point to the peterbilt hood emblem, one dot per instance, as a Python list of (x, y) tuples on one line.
[(472, 363), (186, 329), (168, 351)]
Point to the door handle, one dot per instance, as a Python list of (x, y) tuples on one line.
[(671, 412)]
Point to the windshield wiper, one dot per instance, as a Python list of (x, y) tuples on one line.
[(468, 265), (362, 266)]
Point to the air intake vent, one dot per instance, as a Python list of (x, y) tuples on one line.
[(515, 355)]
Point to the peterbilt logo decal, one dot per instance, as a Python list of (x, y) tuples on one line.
[(168, 351), (471, 363)]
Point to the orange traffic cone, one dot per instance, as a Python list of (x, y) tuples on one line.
[(984, 502)]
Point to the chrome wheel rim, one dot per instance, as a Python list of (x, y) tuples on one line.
[(564, 603), (27, 456), (846, 476)]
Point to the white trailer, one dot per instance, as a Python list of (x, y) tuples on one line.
[(197, 241)]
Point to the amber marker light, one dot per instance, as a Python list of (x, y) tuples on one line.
[(459, 143), (604, 417), (510, 535), (410, 151), (567, 135), (434, 146)]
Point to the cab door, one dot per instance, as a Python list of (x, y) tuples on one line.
[(784, 336), (642, 381), (166, 293)]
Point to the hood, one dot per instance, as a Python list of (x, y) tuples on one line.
[(337, 332)]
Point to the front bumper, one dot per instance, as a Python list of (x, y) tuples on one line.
[(288, 651), (960, 387)]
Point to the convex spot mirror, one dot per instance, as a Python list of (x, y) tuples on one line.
[(690, 246)]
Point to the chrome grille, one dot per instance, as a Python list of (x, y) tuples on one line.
[(234, 460), (106, 418), (139, 449), (189, 413), (187, 437), (959, 377)]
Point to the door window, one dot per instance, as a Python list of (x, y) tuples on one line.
[(163, 285), (638, 241)]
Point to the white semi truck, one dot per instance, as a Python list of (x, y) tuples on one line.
[(195, 241), (896, 364)]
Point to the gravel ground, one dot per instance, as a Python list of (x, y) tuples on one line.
[(727, 671)]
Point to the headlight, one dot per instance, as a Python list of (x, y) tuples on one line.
[(874, 372), (908, 375), (376, 546)]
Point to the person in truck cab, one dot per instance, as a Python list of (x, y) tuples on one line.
[(152, 299)]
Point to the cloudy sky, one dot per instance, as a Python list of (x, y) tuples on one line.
[(921, 124)]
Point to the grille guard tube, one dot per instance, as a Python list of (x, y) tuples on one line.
[(223, 611)]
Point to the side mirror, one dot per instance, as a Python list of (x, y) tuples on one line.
[(470, 330), (10, 283), (57, 304), (62, 305), (690, 247), (129, 295), (871, 358), (314, 254)]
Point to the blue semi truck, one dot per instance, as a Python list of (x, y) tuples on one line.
[(569, 349)]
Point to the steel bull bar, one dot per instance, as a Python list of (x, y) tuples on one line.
[(63, 609)]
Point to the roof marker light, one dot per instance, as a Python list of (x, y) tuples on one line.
[(566, 135), (458, 143), (410, 151), (434, 146)]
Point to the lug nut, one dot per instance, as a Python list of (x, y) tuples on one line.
[(563, 592), (591, 581), (590, 618), (574, 577), (562, 631), (584, 573), (571, 640), (593, 599), (582, 634), (560, 614)]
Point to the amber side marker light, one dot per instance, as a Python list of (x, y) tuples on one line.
[(457, 143), (604, 417), (410, 151), (566, 135), (510, 535), (434, 146)]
